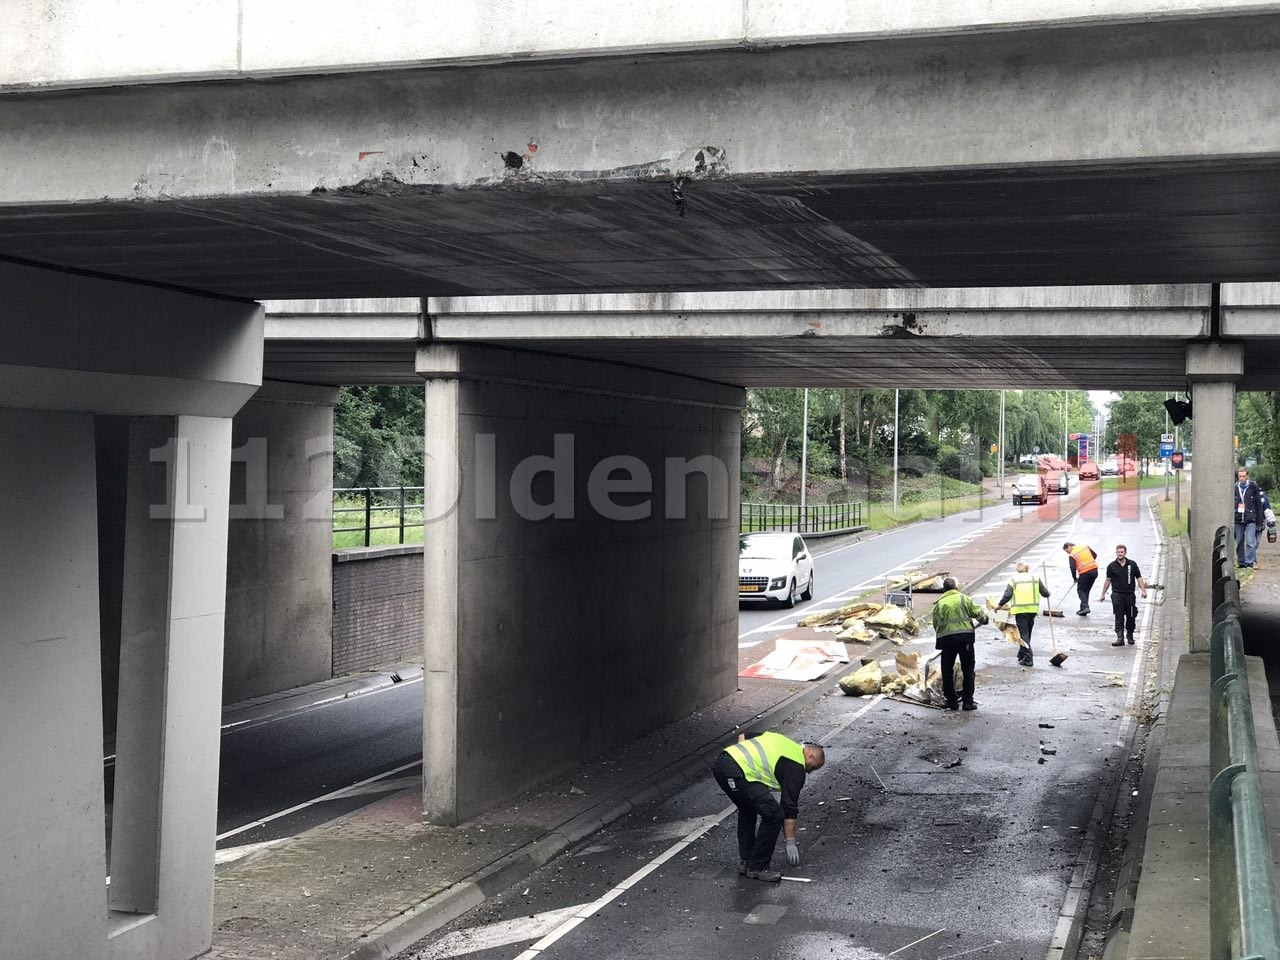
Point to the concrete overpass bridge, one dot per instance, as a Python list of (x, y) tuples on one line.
[(746, 193)]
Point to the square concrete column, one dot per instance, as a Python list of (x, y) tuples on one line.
[(168, 728), (580, 563), (52, 899), (1213, 369), (280, 542)]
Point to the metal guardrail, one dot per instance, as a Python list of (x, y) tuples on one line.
[(378, 500), (815, 518), (1244, 919)]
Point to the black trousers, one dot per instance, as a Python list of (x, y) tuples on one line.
[(1125, 607), (756, 804), (1025, 622), (1084, 583), (956, 645)]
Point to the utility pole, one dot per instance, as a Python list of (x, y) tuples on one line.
[(1064, 425), (1000, 450), (804, 467), (1167, 471)]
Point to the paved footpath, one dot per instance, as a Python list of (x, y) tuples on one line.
[(373, 882)]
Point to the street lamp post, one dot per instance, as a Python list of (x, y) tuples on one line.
[(1000, 450), (804, 466), (895, 452)]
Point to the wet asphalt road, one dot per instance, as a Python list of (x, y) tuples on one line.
[(909, 854)]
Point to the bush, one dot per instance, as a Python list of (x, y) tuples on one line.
[(959, 467)]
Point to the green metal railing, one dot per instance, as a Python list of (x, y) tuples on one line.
[(376, 503), (1244, 920), (815, 518)]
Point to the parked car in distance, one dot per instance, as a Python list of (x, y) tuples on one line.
[(1030, 488), (1058, 481), (1109, 468), (1089, 470), (774, 567)]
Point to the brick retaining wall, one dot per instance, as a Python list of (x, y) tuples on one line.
[(377, 607)]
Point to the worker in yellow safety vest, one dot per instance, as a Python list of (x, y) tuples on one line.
[(1022, 596), (953, 625), (749, 771), (1083, 561)]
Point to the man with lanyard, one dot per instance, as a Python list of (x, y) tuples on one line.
[(1023, 598), (748, 772), (953, 618), (1083, 561), (1122, 575), (1249, 517)]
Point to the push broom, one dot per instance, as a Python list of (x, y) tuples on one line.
[(1058, 658)]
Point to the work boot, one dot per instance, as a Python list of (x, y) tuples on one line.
[(1082, 612), (1130, 638), (953, 704), (1119, 640), (970, 705), (742, 868), (767, 875)]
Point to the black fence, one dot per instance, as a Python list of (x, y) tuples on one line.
[(814, 518), (363, 510)]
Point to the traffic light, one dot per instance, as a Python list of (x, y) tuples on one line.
[(1179, 410)]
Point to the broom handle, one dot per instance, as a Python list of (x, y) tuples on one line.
[(1053, 640)]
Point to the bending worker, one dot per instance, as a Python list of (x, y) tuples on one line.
[(953, 618), (748, 772), (1023, 598), (1083, 561)]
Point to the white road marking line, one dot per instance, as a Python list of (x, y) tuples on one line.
[(500, 934), (914, 942), (597, 905), (236, 726), (352, 790), (965, 953), (232, 854)]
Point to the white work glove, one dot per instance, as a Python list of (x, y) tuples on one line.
[(793, 854)]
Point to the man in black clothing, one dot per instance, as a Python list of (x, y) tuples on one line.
[(748, 772), (1122, 575)]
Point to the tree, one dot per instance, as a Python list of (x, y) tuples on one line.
[(1137, 412), (378, 437)]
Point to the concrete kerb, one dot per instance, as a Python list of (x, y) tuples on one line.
[(1172, 641)]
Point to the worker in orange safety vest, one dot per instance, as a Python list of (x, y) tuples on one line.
[(1083, 561)]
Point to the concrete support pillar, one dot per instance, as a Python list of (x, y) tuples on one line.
[(154, 377), (52, 899), (280, 542), (1213, 369), (580, 563), (167, 735)]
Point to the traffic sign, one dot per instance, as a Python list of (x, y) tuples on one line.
[(1176, 459), (1166, 445)]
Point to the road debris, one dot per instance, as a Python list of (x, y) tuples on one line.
[(954, 763), (799, 879)]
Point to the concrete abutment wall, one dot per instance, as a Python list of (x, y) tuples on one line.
[(557, 630)]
